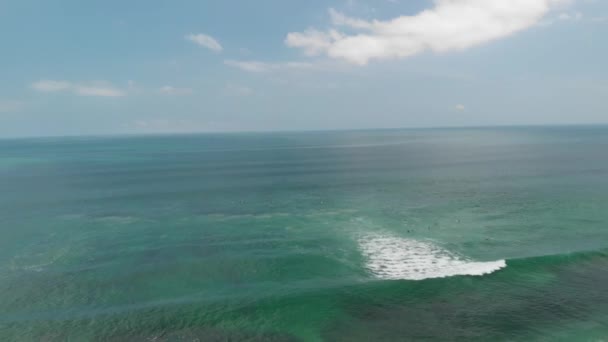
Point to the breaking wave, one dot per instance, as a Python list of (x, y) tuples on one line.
[(396, 258)]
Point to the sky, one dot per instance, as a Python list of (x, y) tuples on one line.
[(73, 67)]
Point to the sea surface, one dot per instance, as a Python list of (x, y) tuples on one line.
[(485, 234)]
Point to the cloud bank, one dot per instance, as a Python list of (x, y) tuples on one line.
[(450, 25)]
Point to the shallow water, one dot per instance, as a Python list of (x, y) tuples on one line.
[(460, 234)]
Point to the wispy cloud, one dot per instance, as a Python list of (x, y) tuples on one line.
[(259, 67), (562, 17), (205, 41), (103, 91), (100, 89), (170, 90), (238, 90), (10, 106), (570, 16), (450, 25), (51, 86), (251, 66)]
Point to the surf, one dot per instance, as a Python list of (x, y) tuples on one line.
[(391, 257)]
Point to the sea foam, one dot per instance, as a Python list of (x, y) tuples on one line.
[(396, 258)]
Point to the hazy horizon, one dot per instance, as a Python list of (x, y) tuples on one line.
[(295, 131)]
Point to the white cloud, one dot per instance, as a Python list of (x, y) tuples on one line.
[(51, 86), (259, 67), (314, 42), (101, 89), (10, 106), (170, 90), (450, 25), (251, 66), (205, 41), (460, 107)]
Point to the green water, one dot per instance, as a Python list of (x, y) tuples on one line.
[(454, 234)]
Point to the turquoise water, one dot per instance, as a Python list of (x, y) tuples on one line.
[(458, 234)]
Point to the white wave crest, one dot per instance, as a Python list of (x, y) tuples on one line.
[(395, 258)]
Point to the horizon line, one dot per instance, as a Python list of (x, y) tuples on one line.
[(329, 130)]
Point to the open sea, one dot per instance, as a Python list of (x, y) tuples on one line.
[(485, 234)]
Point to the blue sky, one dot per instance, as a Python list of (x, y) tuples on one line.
[(73, 67)]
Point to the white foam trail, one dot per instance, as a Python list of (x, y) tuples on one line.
[(396, 258)]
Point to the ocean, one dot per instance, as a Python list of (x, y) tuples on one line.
[(475, 234)]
